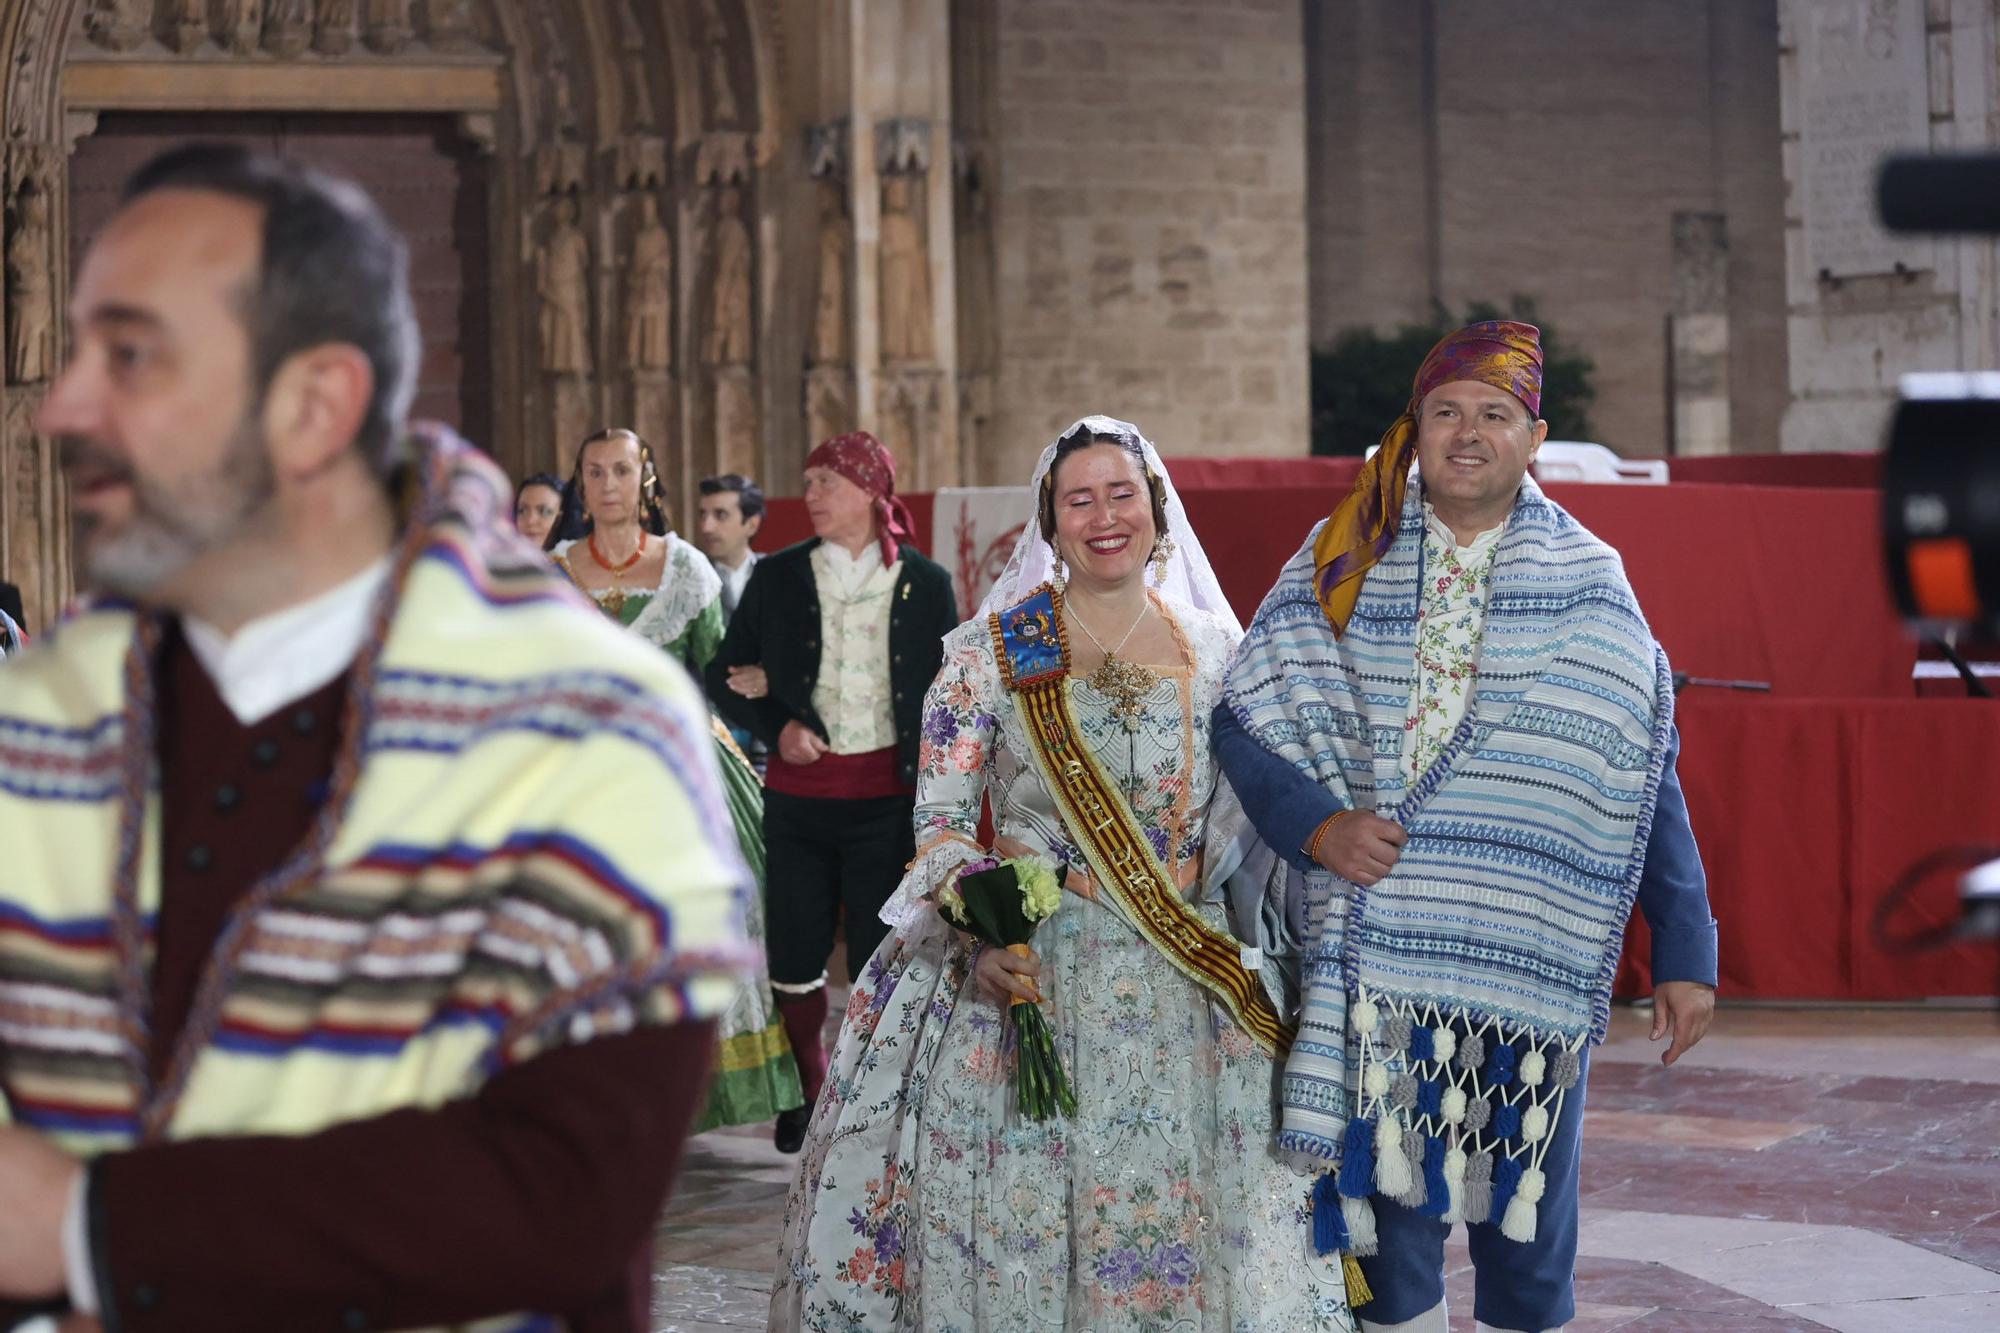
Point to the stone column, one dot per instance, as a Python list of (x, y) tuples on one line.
[(1698, 334), (724, 433), (910, 398), (34, 507), (647, 344), (829, 381), (900, 197)]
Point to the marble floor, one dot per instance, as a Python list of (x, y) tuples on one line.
[(1803, 1169)]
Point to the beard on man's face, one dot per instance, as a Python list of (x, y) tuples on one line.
[(174, 521)]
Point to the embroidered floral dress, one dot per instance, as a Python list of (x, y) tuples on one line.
[(755, 1075), (924, 1200)]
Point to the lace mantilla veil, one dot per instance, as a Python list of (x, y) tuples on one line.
[(1190, 579)]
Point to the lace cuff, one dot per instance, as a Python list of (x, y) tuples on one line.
[(940, 856)]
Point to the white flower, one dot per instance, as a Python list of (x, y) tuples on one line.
[(1041, 891)]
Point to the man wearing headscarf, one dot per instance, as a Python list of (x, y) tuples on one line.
[(826, 661), (1451, 724)]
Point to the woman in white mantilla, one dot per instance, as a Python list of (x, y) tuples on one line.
[(925, 1199), (664, 590)]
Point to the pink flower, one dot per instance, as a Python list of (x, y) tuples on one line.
[(986, 1065), (862, 1265), (965, 754)]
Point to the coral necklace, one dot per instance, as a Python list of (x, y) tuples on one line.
[(614, 600)]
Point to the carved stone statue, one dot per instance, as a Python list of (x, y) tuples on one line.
[(905, 275), (30, 288), (827, 412), (649, 293), (735, 421), (973, 261), (288, 27), (119, 25), (563, 285), (721, 90), (187, 25), (896, 406), (728, 340), (829, 340), (447, 24), (386, 26), (333, 29), (238, 24)]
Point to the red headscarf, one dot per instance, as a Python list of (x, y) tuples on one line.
[(1499, 352), (861, 459)]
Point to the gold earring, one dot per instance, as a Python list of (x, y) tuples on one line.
[(1163, 551), (1060, 579)]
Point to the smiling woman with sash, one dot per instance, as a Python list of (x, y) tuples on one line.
[(1077, 704)]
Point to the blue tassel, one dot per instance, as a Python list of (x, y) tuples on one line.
[(1329, 1227), (1506, 1121), (1430, 1098), (1437, 1195), (1357, 1159), (1506, 1179), (1500, 1065), (1420, 1045)]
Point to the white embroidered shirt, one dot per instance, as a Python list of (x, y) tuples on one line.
[(852, 696)]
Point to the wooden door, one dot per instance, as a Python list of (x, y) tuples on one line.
[(431, 185)]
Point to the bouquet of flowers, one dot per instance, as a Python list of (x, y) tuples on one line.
[(1000, 903)]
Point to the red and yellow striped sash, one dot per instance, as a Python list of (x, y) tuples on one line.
[(1131, 871)]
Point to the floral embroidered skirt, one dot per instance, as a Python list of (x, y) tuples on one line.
[(925, 1201)]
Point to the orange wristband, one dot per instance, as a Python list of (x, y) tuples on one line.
[(1319, 834)]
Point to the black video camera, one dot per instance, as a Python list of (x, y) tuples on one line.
[(1941, 504), (1941, 475)]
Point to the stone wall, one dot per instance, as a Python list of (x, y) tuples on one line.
[(1150, 224), (1468, 151), (1862, 78)]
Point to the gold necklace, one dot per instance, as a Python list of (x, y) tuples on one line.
[(1126, 684), (614, 599)]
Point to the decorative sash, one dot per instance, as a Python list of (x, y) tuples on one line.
[(1033, 653)]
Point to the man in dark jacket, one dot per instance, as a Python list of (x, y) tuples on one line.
[(826, 661)]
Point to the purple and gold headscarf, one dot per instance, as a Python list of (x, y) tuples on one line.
[(1499, 352)]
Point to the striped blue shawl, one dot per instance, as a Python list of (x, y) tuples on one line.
[(1526, 837)]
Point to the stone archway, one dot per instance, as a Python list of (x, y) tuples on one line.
[(716, 221)]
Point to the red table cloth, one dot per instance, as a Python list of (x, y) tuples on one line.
[(1807, 801)]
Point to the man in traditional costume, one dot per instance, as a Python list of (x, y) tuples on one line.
[(1451, 724), (366, 894), (826, 662)]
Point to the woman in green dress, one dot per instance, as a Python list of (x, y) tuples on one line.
[(664, 590)]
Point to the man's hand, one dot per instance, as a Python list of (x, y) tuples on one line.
[(35, 1181), (749, 681), (1362, 847), (1685, 1008), (799, 744)]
